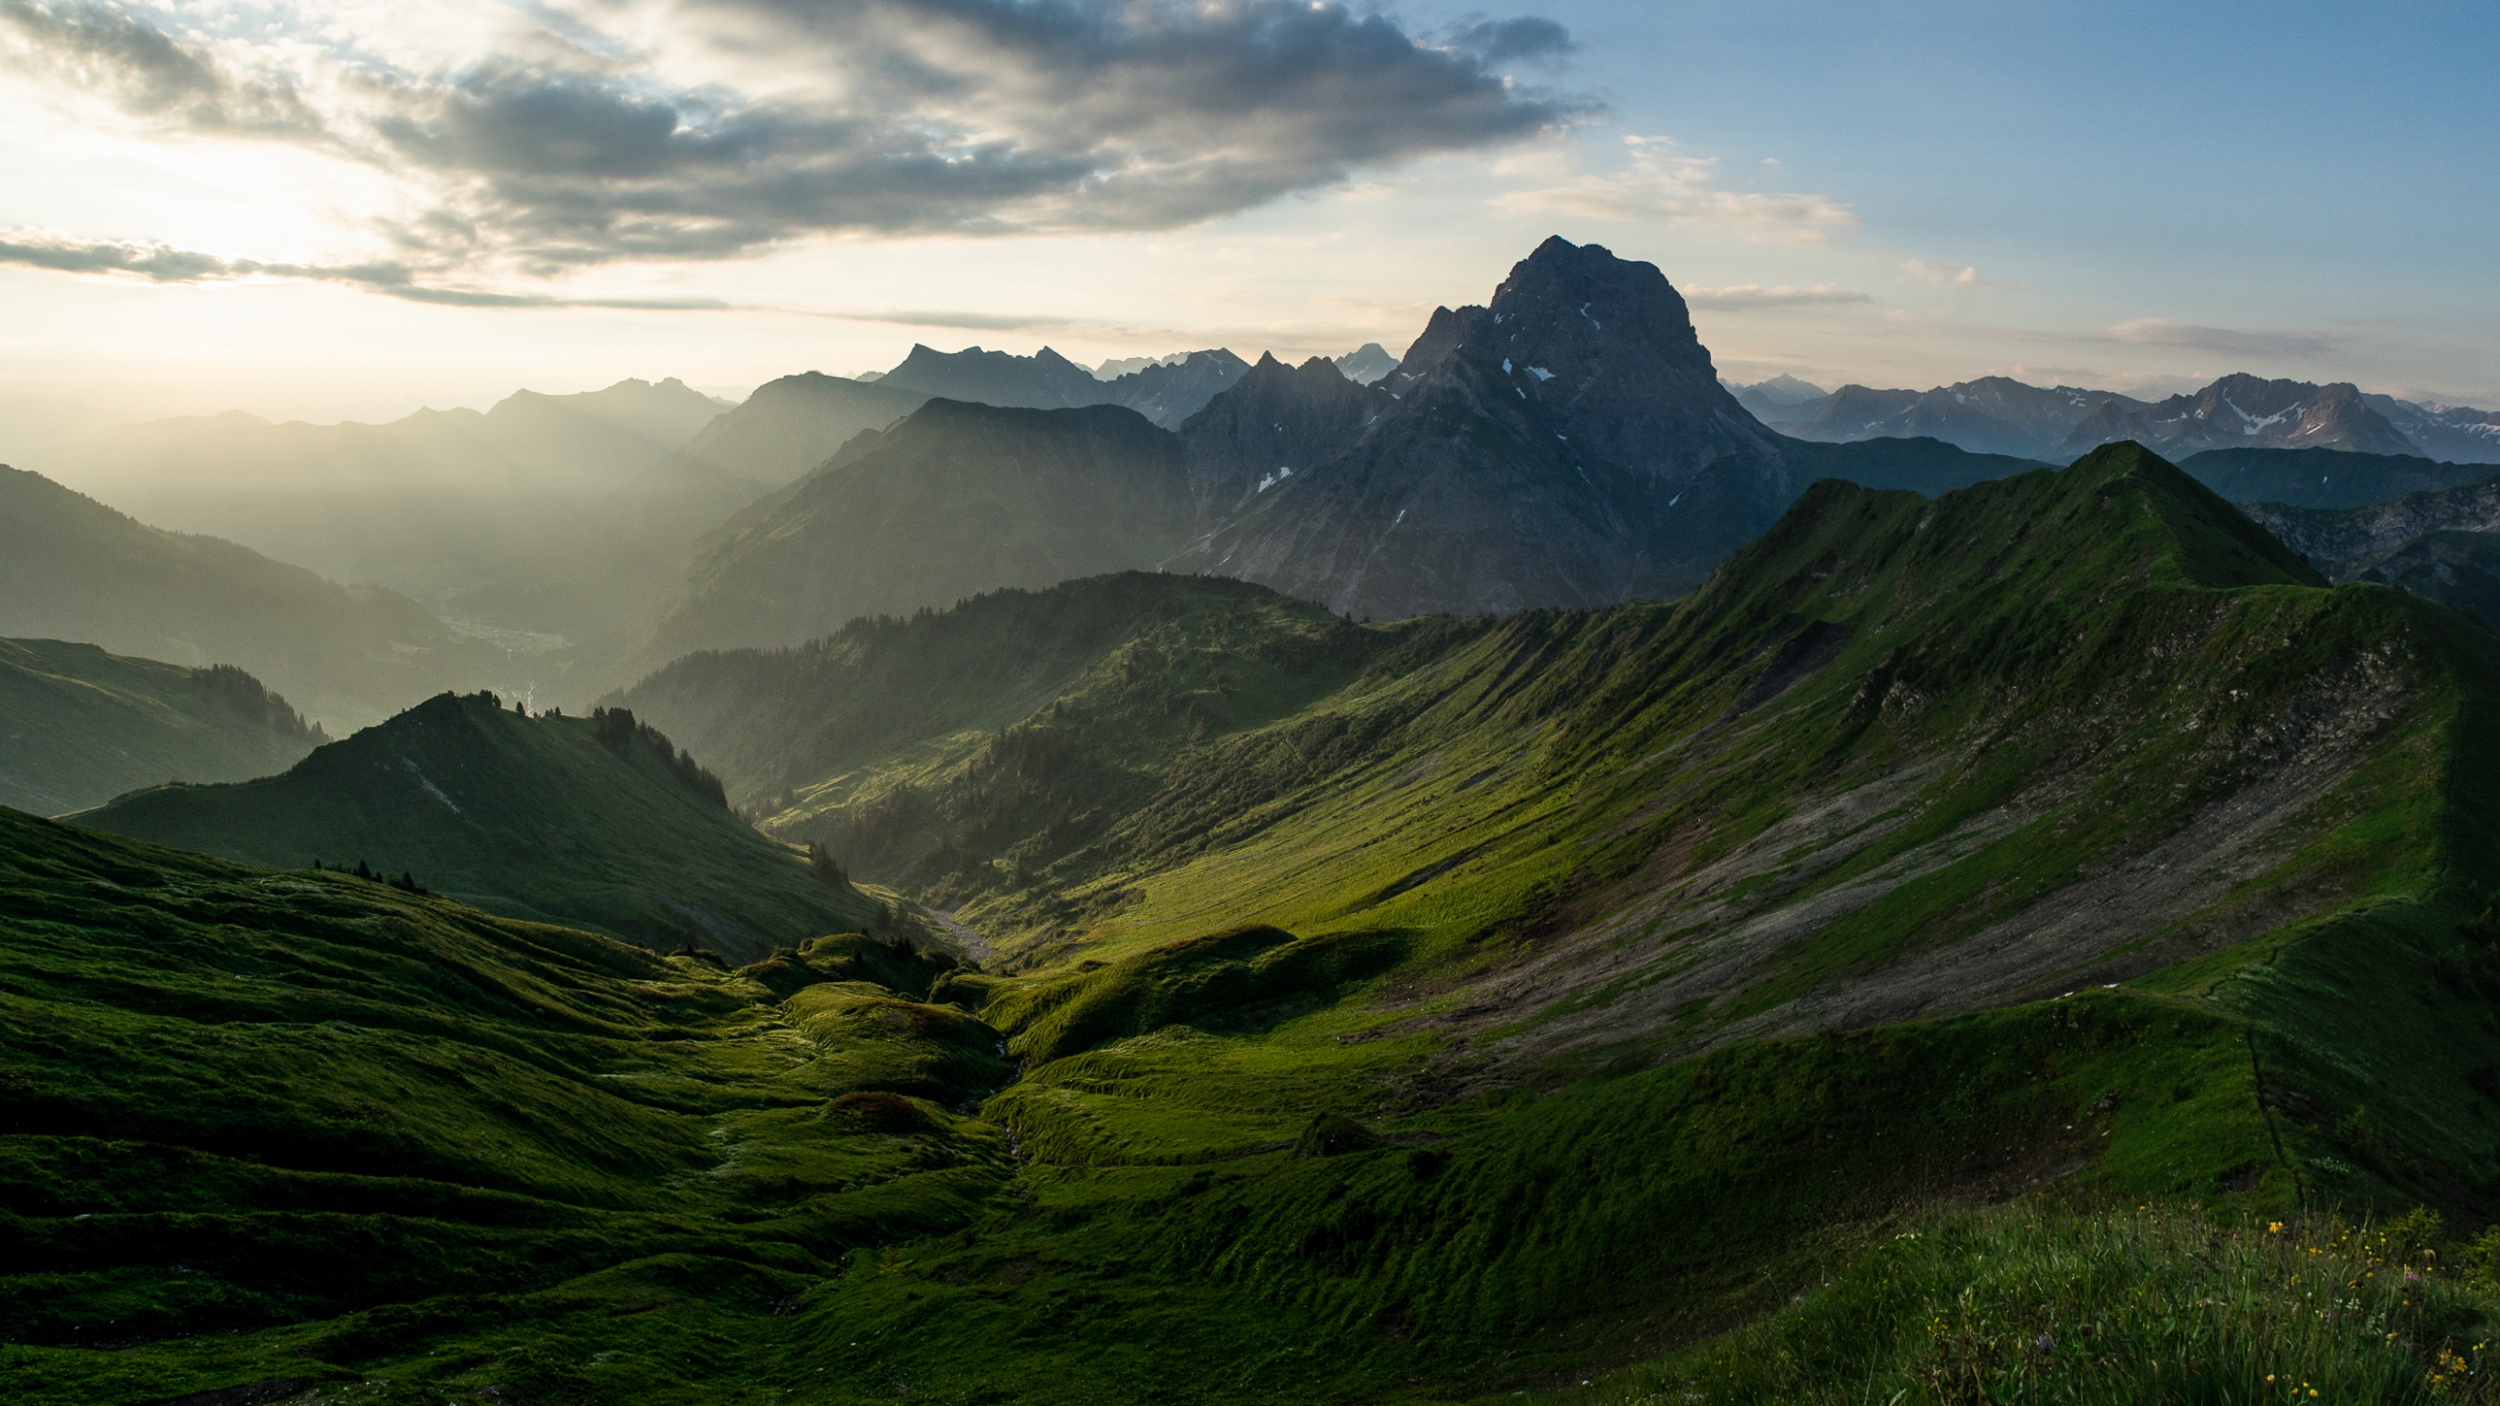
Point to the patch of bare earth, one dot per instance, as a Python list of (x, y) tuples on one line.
[(1672, 944)]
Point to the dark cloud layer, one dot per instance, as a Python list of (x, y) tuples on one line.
[(150, 73), (905, 116)]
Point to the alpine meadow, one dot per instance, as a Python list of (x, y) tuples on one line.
[(1378, 823)]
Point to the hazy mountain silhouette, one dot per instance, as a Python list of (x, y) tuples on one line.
[(74, 569), (956, 499), (79, 726)]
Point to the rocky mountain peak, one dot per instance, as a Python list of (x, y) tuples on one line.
[(1578, 301), (1601, 352), (1367, 363)]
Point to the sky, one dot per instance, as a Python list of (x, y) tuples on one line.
[(347, 210)]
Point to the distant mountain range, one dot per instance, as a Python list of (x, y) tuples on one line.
[(79, 726), (593, 442), (595, 823), (1999, 415), (2324, 478), (1367, 363), (543, 514)]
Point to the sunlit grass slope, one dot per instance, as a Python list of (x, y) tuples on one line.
[(593, 822), (79, 726)]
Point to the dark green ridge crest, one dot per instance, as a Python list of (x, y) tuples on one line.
[(2120, 517), (597, 823)]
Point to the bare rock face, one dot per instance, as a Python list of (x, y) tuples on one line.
[(1568, 445), (1275, 422)]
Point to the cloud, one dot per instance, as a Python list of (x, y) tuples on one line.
[(1659, 184), (1500, 41), (972, 321), (2161, 332), (1943, 275), (161, 263), (1743, 296), (112, 53), (702, 129)]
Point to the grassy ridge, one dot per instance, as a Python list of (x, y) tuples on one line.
[(83, 726), (596, 822)]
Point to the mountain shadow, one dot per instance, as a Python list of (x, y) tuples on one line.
[(955, 500)]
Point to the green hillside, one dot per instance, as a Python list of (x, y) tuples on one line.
[(72, 568), (1639, 1005), (599, 823), (79, 726)]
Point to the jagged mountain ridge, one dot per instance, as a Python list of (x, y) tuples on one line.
[(793, 425), (1165, 392), (1273, 420), (2456, 433), (590, 822), (2243, 410), (79, 726)]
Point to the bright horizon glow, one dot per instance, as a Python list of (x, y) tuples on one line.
[(1903, 194)]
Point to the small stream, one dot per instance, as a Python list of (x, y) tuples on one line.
[(972, 941)]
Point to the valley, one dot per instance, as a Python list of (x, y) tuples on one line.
[(1519, 870)]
